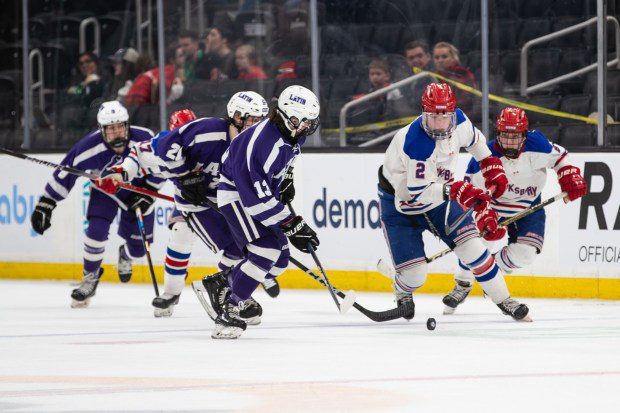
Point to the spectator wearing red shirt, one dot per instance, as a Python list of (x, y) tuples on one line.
[(245, 59), (145, 89), (448, 64)]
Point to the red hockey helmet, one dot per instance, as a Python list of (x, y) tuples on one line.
[(438, 117), (438, 98), (180, 118), (511, 127)]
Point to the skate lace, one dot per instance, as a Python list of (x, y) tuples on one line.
[(459, 292), (404, 297), (510, 304), (88, 283), (223, 294), (269, 282), (124, 265)]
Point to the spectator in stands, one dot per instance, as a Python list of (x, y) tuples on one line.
[(392, 105), (245, 59), (448, 64), (188, 41), (418, 55), (219, 60), (145, 89), (124, 72), (89, 86)]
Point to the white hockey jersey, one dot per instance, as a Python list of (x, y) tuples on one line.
[(526, 174), (417, 166)]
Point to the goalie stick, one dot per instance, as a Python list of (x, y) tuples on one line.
[(84, 174), (378, 316), (389, 272)]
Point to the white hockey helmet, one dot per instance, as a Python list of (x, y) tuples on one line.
[(247, 103), (300, 109), (112, 113)]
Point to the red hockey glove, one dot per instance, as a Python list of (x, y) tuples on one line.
[(486, 221), (572, 182), (466, 195), (110, 178), (494, 177)]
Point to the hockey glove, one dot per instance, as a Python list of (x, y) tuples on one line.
[(110, 178), (467, 195), (142, 201), (41, 218), (486, 221), (287, 189), (572, 182), (494, 177), (300, 234), (193, 188)]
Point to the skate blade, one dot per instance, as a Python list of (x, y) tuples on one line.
[(252, 321), (526, 319), (80, 304), (226, 333), (448, 310), (163, 312), (199, 289)]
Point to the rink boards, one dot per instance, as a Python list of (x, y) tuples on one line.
[(336, 194)]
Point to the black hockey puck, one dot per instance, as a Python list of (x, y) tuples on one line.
[(431, 323)]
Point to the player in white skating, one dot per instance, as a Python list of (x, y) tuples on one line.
[(186, 155), (418, 193), (527, 157)]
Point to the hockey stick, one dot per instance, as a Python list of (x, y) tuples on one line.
[(147, 249), (388, 271), (378, 316), (349, 299), (451, 227), (84, 174)]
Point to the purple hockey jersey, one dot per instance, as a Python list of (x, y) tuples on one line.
[(93, 155), (253, 169)]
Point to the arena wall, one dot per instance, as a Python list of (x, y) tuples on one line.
[(336, 193)]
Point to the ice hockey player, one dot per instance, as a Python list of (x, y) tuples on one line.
[(190, 156), (418, 193), (526, 156), (95, 152), (248, 196)]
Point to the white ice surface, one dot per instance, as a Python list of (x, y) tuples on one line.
[(305, 357)]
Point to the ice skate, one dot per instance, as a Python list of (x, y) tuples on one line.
[(81, 295), (456, 296), (124, 267), (405, 299), (229, 325), (215, 287), (164, 304), (272, 287), (516, 310), (251, 312)]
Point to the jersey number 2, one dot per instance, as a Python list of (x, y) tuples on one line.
[(419, 170), (264, 191)]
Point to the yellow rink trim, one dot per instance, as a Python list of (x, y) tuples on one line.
[(520, 286)]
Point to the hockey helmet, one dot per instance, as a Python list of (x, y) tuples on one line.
[(114, 113), (299, 109), (180, 118), (439, 105), (250, 107), (511, 127)]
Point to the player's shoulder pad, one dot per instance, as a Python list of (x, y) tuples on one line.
[(460, 116), (494, 148), (94, 138), (473, 166), (537, 142), (138, 133), (418, 145)]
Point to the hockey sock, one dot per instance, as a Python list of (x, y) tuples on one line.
[(94, 244), (514, 256), (483, 266)]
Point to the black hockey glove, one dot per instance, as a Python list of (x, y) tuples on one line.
[(142, 201), (300, 234), (287, 189), (41, 218), (193, 188)]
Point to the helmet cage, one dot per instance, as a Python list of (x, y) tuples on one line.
[(305, 127), (439, 134), (511, 143)]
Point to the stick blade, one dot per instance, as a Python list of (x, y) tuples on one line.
[(347, 303)]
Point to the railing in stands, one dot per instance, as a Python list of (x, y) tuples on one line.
[(372, 95), (145, 23), (35, 54), (551, 36), (97, 35)]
